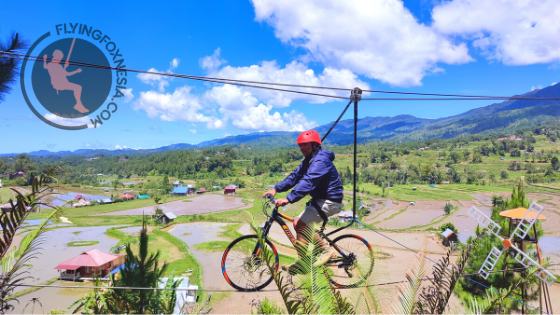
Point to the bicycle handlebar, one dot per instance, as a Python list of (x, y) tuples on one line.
[(282, 215), (271, 199)]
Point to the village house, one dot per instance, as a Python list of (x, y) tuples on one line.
[(165, 217), (128, 196), (230, 190), (90, 264), (179, 190)]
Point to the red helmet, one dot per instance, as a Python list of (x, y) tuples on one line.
[(309, 136)]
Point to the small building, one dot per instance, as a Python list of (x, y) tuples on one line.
[(165, 217), (345, 216), (201, 190), (191, 189), (184, 296), (448, 237), (105, 201), (143, 196), (81, 203), (230, 190), (128, 196), (179, 190), (16, 174), (93, 263)]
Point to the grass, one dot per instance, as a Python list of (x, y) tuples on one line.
[(5, 194), (212, 246), (106, 220), (176, 253), (81, 243), (417, 192)]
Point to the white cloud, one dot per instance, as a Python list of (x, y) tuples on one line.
[(174, 63), (244, 111), (242, 107), (157, 80), (262, 118), (513, 32), (177, 105), (128, 95), (212, 62), (295, 73), (379, 39)]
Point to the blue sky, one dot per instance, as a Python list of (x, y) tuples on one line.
[(459, 46)]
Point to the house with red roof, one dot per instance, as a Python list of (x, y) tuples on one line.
[(93, 263), (128, 196), (230, 190)]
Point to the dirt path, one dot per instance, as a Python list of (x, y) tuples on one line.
[(199, 204)]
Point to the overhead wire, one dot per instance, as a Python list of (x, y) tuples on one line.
[(58, 286), (267, 85)]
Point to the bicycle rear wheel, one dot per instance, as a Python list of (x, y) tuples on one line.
[(244, 266), (354, 262)]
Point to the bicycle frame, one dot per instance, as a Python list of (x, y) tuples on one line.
[(279, 217)]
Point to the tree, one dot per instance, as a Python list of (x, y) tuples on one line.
[(555, 163), (116, 184), (448, 208), (9, 65), (139, 270), (504, 174), (165, 185), (476, 158)]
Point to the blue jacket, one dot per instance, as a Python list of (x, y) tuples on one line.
[(315, 176)]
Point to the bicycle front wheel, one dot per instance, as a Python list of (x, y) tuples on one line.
[(244, 265), (354, 262)]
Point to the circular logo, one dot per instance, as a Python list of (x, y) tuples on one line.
[(72, 78), (67, 90)]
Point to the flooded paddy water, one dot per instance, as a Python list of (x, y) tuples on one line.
[(206, 203), (53, 251)]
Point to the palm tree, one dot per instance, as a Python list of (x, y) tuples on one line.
[(141, 270), (14, 260), (8, 64)]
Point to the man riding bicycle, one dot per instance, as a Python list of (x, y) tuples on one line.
[(315, 176)]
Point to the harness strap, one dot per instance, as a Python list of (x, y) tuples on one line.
[(323, 216)]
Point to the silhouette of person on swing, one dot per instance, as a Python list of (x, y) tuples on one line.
[(59, 77)]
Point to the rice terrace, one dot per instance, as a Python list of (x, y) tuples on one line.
[(379, 157)]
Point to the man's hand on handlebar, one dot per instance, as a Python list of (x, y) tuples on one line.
[(270, 193), (281, 202)]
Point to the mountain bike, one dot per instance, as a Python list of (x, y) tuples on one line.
[(244, 266)]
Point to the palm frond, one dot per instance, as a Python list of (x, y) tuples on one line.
[(408, 293), (8, 65), (311, 292), (12, 219), (14, 263), (434, 298)]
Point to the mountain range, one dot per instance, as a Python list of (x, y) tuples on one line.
[(502, 117)]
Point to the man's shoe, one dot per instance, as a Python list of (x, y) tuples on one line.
[(294, 269), (325, 257)]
